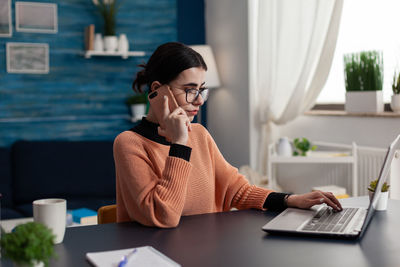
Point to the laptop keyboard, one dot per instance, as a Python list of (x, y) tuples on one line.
[(328, 220)]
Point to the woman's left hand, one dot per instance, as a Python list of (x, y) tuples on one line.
[(306, 201)]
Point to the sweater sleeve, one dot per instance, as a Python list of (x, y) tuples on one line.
[(232, 188), (151, 195)]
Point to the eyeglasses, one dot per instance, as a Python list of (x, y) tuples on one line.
[(192, 94)]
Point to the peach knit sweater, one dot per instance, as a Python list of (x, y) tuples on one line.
[(156, 189)]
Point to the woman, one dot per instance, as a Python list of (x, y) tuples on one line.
[(164, 173)]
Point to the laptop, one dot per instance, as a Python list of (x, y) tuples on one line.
[(321, 220)]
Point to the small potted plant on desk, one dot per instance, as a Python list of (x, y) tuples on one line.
[(395, 103), (382, 202), (30, 244), (138, 105)]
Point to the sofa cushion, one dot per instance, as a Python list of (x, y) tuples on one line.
[(62, 169), (5, 177), (8, 213)]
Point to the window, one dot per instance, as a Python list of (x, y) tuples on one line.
[(365, 25)]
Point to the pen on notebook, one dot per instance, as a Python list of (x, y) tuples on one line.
[(126, 258)]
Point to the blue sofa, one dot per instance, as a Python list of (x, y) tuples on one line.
[(82, 172)]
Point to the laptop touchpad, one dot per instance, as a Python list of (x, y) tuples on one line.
[(290, 219)]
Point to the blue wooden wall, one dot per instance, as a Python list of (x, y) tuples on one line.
[(81, 99)]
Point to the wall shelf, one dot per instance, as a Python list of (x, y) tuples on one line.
[(92, 53)]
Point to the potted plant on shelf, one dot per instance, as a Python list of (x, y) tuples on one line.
[(382, 202), (302, 146), (30, 244), (395, 103), (363, 79), (138, 105), (108, 10)]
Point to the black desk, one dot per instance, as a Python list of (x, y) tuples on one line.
[(236, 239)]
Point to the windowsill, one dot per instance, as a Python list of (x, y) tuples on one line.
[(338, 110), (342, 113)]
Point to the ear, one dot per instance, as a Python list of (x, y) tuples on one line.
[(155, 85)]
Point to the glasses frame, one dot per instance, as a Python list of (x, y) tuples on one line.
[(198, 92)]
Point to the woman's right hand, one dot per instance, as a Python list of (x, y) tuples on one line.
[(176, 123)]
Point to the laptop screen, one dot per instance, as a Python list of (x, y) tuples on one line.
[(395, 145)]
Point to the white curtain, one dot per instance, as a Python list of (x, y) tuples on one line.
[(293, 46)]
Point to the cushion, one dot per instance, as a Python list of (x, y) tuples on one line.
[(5, 177), (62, 169), (7, 213)]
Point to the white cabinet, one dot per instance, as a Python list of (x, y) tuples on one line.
[(326, 153)]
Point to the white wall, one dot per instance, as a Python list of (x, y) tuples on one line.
[(228, 106)]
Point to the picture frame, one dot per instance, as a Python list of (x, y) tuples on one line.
[(27, 58), (36, 17), (5, 18)]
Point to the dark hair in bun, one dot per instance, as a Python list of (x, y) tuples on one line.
[(166, 63)]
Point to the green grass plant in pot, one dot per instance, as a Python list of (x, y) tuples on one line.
[(395, 103), (108, 10), (382, 202), (302, 146), (364, 79), (138, 105), (30, 244)]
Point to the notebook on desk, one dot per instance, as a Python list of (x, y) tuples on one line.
[(322, 221), (145, 256)]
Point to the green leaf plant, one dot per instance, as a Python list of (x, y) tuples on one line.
[(301, 146), (28, 244), (363, 71), (108, 10), (396, 84), (136, 99), (372, 186)]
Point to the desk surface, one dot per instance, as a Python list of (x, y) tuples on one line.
[(236, 239)]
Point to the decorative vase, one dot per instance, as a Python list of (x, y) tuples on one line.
[(110, 43), (382, 201), (123, 44), (138, 111), (395, 103), (284, 147), (98, 43), (364, 102)]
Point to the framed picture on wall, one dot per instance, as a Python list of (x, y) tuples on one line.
[(36, 17), (5, 18), (27, 58)]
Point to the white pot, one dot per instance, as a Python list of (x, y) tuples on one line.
[(110, 43), (284, 147), (138, 111), (123, 44), (364, 102), (382, 201), (98, 43), (395, 104)]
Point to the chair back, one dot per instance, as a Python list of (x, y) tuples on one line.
[(107, 214)]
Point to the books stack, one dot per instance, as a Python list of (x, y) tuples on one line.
[(84, 216), (89, 37), (337, 191)]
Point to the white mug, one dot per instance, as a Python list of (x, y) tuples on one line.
[(51, 212)]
